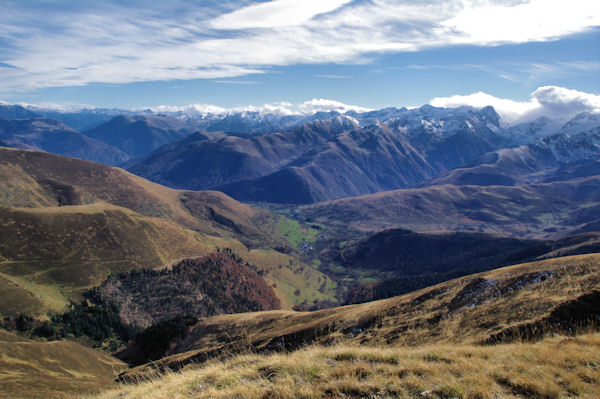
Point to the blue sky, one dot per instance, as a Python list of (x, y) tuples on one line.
[(370, 53)]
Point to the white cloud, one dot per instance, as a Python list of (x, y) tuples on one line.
[(50, 44), (489, 22), (323, 105), (550, 101), (276, 13), (191, 110)]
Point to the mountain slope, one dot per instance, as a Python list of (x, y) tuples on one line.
[(137, 135), (52, 136), (35, 179), (205, 286), (558, 157), (68, 223), (530, 211), (50, 255), (404, 261), (557, 367), (203, 164)]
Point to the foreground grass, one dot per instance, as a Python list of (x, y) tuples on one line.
[(556, 367)]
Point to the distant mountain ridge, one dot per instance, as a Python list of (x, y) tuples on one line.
[(13, 111), (260, 156), (562, 156), (138, 135), (338, 157), (52, 136), (329, 159)]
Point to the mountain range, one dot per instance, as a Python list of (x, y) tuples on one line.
[(343, 209), (327, 159), (325, 156), (338, 157)]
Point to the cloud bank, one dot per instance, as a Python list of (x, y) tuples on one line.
[(49, 43), (306, 108), (549, 101)]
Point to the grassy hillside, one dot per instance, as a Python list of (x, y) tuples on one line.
[(557, 367), (52, 369), (48, 256), (51, 255), (525, 300), (68, 223)]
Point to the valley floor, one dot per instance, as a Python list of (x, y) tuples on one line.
[(556, 367)]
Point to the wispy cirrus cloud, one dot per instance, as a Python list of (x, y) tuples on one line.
[(532, 72), (58, 43), (331, 76), (274, 14)]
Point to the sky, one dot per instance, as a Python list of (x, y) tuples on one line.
[(524, 56)]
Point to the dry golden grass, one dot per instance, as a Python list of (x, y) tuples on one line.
[(557, 367)]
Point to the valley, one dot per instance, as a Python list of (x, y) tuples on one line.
[(330, 240)]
